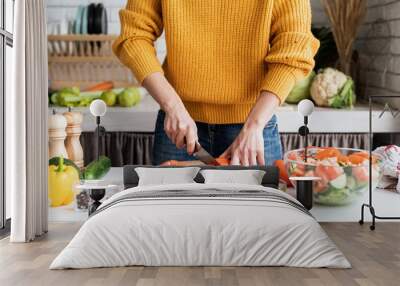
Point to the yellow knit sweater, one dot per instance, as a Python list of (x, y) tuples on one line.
[(220, 54)]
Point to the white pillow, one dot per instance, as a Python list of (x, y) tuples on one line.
[(248, 177), (166, 176)]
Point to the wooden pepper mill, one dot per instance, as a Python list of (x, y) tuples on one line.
[(57, 135), (73, 144)]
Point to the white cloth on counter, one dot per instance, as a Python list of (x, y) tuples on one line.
[(389, 157)]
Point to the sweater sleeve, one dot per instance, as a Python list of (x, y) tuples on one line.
[(141, 25), (292, 47)]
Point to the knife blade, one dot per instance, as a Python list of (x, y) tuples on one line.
[(205, 157)]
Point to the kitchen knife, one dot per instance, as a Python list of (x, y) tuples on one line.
[(205, 157)]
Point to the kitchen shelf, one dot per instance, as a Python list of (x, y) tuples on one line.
[(141, 118), (85, 60)]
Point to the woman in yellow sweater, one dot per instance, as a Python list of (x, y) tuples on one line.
[(229, 65)]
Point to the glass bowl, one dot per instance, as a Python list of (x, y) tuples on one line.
[(343, 172)]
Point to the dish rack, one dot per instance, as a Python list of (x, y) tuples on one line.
[(85, 60)]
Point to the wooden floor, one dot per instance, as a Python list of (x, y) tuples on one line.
[(375, 257)]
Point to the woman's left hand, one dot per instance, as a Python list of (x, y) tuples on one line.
[(248, 147)]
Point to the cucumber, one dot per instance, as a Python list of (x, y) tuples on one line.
[(54, 161), (53, 98), (97, 169), (351, 183), (339, 182)]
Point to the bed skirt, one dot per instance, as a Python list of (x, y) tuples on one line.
[(130, 148)]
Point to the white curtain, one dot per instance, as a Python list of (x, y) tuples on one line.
[(26, 123)]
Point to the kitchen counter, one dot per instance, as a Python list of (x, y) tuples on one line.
[(386, 203), (141, 118)]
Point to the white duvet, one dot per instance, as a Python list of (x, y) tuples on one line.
[(202, 231)]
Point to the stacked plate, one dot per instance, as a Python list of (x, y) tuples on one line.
[(91, 19)]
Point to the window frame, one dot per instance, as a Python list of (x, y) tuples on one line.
[(6, 39)]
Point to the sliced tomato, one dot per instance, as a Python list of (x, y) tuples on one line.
[(360, 174), (293, 156), (328, 173), (320, 186)]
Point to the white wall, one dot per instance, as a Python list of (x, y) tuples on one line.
[(66, 9), (60, 9)]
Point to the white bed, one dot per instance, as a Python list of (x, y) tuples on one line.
[(201, 225)]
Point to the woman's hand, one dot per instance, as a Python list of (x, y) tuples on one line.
[(248, 147), (180, 127)]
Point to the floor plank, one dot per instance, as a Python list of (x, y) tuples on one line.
[(375, 257)]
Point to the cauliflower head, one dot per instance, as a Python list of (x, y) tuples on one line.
[(326, 85)]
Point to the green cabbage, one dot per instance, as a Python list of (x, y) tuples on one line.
[(301, 90)]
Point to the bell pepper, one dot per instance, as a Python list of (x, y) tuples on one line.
[(61, 179)]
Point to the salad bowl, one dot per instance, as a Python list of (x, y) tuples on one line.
[(343, 172)]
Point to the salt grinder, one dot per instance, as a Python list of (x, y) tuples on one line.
[(74, 130)]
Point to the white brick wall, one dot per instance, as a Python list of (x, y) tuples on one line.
[(379, 45)]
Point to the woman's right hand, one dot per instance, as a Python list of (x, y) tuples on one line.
[(178, 124), (181, 128)]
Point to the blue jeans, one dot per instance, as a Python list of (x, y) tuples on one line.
[(215, 138)]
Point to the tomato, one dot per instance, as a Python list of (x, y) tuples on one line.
[(328, 173), (361, 174), (320, 186), (283, 175), (293, 156)]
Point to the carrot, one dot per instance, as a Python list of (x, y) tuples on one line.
[(222, 161), (283, 175), (356, 159), (326, 153), (170, 163), (362, 154), (103, 86), (365, 155), (343, 159), (175, 163)]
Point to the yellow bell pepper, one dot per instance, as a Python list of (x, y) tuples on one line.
[(62, 179)]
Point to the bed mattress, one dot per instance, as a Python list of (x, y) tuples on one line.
[(201, 225)]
